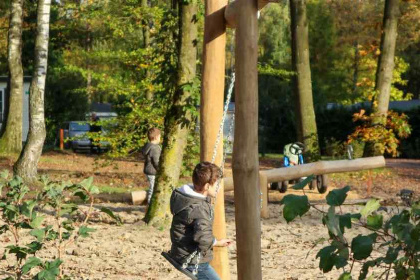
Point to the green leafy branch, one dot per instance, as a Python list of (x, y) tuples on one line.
[(393, 244)]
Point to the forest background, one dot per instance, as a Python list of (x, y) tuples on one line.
[(125, 52)]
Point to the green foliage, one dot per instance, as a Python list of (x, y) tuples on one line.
[(303, 183), (191, 155), (337, 197), (392, 243), (294, 206), (20, 213)]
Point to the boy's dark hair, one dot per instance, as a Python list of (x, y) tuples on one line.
[(153, 133), (205, 172)]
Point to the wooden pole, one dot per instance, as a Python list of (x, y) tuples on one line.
[(245, 149), (61, 139), (211, 111), (231, 11), (264, 195)]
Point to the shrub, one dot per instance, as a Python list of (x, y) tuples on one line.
[(386, 138), (22, 215), (393, 244)]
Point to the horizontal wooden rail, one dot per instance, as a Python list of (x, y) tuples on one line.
[(323, 167), (294, 172)]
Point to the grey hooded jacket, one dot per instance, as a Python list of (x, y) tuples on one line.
[(151, 154), (192, 226)]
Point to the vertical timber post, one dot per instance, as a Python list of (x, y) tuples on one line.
[(264, 196), (245, 150), (61, 139), (211, 112)]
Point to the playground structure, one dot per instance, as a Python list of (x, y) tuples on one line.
[(249, 184)]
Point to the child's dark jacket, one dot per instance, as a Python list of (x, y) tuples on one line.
[(151, 154), (192, 225)]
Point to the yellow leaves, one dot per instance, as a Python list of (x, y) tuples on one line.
[(363, 53), (385, 137)]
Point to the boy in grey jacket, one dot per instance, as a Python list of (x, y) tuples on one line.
[(151, 152), (192, 223)]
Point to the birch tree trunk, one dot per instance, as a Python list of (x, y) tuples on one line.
[(27, 164), (305, 114), (177, 121), (384, 70), (11, 140)]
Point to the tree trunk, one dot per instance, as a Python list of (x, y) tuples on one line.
[(384, 70), (178, 123), (11, 140), (27, 164), (245, 149), (305, 114)]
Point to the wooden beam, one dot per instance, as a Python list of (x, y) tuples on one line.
[(231, 11), (245, 164), (323, 167), (293, 172), (211, 112)]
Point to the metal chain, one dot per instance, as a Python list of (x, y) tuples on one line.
[(195, 271), (222, 123), (222, 167), (189, 259)]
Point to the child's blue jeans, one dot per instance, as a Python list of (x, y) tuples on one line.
[(151, 179), (205, 272)]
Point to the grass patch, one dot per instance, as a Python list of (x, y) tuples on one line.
[(364, 174), (271, 156), (111, 189)]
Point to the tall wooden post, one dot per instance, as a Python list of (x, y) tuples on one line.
[(61, 139), (245, 149), (211, 111)]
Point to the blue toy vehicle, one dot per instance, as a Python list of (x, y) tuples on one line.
[(293, 155)]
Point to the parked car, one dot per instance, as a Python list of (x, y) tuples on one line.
[(75, 137)]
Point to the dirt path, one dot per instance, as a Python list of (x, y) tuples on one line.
[(132, 251)]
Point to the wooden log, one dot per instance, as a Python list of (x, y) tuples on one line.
[(293, 172), (245, 164), (231, 11), (323, 167), (211, 112)]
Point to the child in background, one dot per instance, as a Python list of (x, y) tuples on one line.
[(151, 152)]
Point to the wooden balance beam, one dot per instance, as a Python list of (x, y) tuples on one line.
[(293, 172)]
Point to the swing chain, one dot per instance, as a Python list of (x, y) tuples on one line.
[(219, 134), (222, 123), (195, 271), (190, 258)]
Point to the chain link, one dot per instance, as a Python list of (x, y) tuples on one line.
[(195, 271), (189, 259)]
